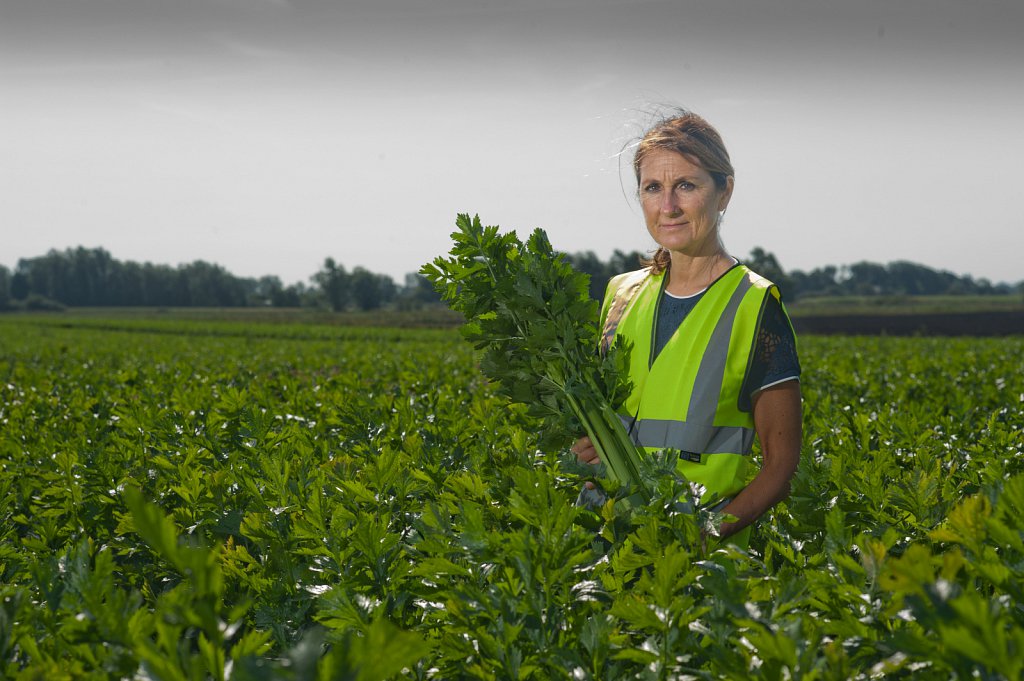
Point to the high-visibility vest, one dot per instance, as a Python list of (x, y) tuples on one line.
[(688, 398)]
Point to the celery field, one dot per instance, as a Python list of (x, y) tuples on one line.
[(228, 500)]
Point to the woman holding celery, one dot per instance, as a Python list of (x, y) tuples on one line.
[(714, 360)]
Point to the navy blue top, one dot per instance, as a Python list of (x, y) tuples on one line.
[(775, 358)]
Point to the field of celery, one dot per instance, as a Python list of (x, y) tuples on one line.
[(199, 500)]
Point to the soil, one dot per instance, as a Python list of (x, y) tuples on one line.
[(992, 323)]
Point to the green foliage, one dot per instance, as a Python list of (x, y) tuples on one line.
[(529, 313), (185, 503)]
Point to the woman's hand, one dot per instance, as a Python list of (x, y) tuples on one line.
[(585, 451), (777, 419)]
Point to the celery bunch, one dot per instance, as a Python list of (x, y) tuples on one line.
[(529, 313)]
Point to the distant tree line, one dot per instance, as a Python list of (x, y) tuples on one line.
[(91, 277), (899, 278), (858, 279)]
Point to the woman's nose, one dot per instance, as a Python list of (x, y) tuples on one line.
[(670, 203)]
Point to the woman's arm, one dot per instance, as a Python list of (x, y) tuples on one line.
[(778, 422)]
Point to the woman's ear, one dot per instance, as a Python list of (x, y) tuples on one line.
[(723, 202)]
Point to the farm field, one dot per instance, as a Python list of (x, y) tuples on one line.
[(189, 499)]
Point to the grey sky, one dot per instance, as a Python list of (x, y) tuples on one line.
[(265, 135)]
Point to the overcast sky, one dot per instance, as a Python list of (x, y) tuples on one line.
[(266, 135)]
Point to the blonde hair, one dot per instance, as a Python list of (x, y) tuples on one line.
[(686, 133)]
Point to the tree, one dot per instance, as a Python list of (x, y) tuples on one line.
[(296, 295), (912, 279), (211, 285), (43, 275), (820, 281), (126, 285), (866, 278), (163, 286), (88, 275), (5, 287), (623, 262), (20, 286), (601, 272), (765, 263), (417, 292), (333, 281), (268, 291), (371, 291)]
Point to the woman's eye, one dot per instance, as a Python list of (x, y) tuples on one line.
[(685, 186), (651, 187)]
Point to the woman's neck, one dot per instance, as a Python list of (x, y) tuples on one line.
[(688, 275)]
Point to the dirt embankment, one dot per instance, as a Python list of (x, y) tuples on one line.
[(992, 323)]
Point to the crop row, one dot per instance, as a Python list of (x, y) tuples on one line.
[(188, 505)]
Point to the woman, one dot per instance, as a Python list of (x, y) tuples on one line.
[(714, 355)]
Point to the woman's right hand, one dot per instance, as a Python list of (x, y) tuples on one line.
[(585, 451)]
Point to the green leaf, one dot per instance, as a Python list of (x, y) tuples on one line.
[(380, 651)]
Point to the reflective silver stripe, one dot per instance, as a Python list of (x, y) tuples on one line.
[(623, 296), (688, 437), (694, 436), (707, 385)]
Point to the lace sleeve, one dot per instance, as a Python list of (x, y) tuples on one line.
[(775, 357)]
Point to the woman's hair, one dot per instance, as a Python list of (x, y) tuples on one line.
[(686, 133)]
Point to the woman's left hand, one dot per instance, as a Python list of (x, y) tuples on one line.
[(778, 420)]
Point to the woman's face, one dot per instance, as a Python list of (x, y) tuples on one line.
[(681, 203)]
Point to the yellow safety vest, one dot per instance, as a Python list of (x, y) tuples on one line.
[(687, 399)]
